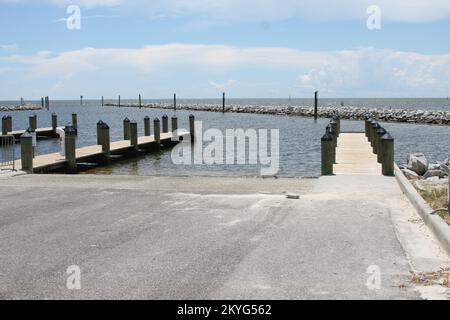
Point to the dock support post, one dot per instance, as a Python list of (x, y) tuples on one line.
[(378, 135), (140, 101), (157, 132), (174, 102), (316, 104), (4, 125), (99, 132), (165, 124), (42, 102), (147, 126), (26, 151), (103, 104), (119, 101), (70, 148), (387, 165), (327, 154), (126, 129), (134, 135), (192, 127), (373, 129), (54, 122), (105, 142), (175, 128), (74, 120), (223, 102), (33, 122)]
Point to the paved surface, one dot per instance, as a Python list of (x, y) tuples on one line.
[(354, 155), (209, 238)]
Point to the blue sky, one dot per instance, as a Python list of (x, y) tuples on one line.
[(199, 48)]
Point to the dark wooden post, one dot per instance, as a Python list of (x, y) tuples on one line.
[(103, 104), (33, 122), (74, 120), (126, 129), (70, 148), (4, 125), (316, 105), (105, 142), (99, 132), (157, 133), (192, 127), (81, 100), (26, 151), (174, 128), (379, 134), (327, 146), (134, 135), (140, 101), (42, 102), (175, 102), (223, 102), (119, 101), (165, 123), (147, 126), (54, 122), (387, 144)]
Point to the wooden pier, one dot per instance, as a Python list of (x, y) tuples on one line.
[(354, 156), (94, 154)]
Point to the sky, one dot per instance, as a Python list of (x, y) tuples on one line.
[(200, 48)]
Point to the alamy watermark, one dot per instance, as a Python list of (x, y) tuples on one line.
[(374, 280), (74, 280), (73, 21), (231, 147), (374, 20)]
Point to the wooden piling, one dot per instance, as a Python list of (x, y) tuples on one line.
[(174, 128), (32, 120), (4, 125), (70, 148), (9, 122), (192, 127), (99, 132), (379, 134), (223, 102), (327, 154), (75, 120), (54, 122), (119, 101), (175, 102), (165, 124), (387, 164), (26, 151), (103, 104), (140, 101), (42, 102), (126, 129), (157, 132), (105, 142), (316, 105), (147, 126), (134, 135), (81, 100)]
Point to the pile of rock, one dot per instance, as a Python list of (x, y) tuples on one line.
[(24, 107), (346, 112), (418, 167)]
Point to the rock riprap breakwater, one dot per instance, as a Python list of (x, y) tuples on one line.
[(25, 107), (346, 112)]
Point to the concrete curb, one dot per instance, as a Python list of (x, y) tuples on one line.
[(438, 226)]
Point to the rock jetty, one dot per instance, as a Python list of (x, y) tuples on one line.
[(346, 112), (24, 107), (418, 167)]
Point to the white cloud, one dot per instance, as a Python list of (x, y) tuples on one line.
[(363, 70), (275, 10)]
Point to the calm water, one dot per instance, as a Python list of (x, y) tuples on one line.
[(299, 137)]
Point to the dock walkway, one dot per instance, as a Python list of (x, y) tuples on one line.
[(355, 156)]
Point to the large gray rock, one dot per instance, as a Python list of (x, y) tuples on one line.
[(411, 175), (418, 163), (434, 173)]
